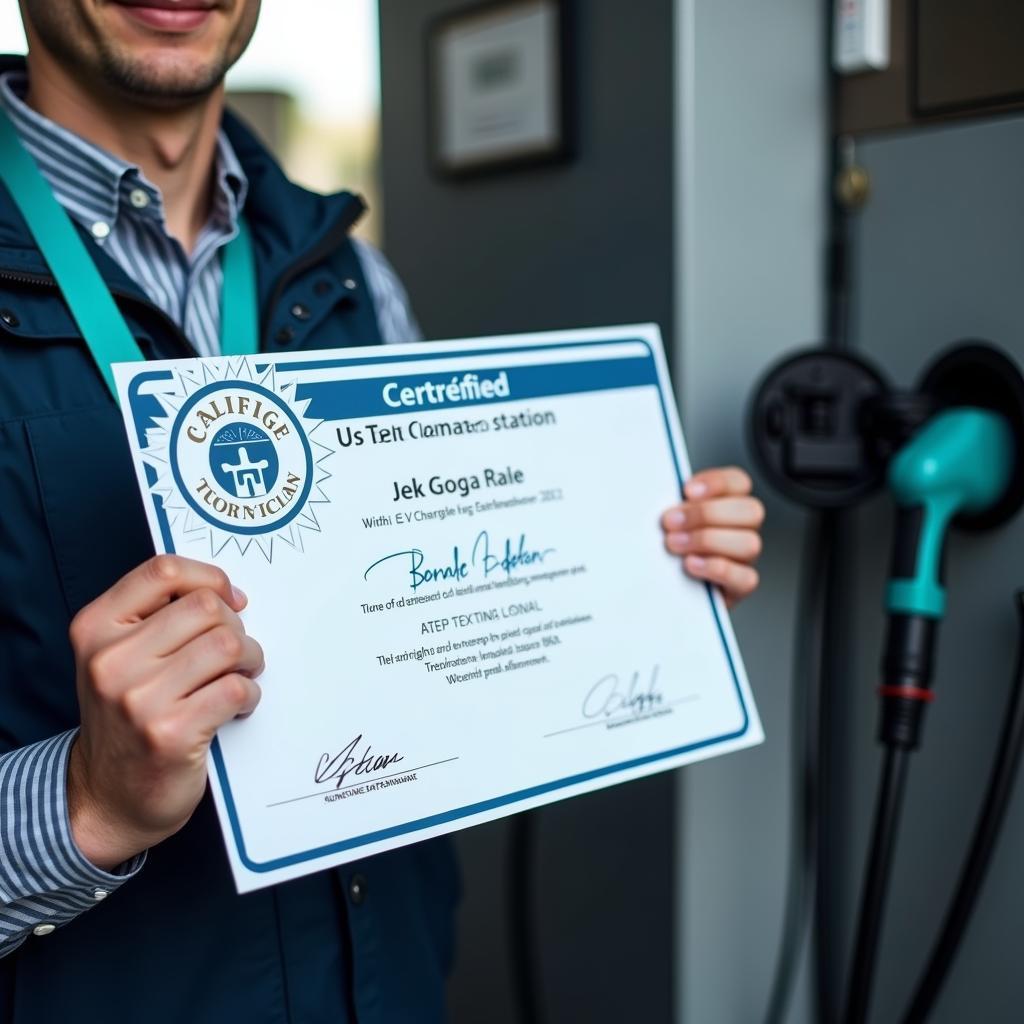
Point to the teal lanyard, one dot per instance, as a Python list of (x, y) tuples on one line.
[(87, 296)]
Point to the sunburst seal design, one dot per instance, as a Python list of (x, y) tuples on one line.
[(236, 459)]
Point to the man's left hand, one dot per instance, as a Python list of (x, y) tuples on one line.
[(716, 528)]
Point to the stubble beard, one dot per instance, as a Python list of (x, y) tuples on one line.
[(170, 84), (167, 82)]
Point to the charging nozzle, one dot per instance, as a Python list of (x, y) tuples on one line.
[(960, 463)]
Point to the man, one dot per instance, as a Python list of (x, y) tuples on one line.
[(116, 668)]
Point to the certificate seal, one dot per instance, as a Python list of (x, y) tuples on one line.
[(240, 460)]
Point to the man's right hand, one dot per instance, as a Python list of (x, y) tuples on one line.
[(163, 661)]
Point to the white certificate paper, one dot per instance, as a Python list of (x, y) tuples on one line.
[(455, 567)]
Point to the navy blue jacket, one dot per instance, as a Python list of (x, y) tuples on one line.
[(177, 944)]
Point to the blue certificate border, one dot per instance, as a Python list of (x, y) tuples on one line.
[(143, 408)]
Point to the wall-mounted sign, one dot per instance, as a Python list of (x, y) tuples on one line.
[(497, 83)]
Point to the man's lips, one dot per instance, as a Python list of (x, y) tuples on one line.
[(168, 15), (171, 5)]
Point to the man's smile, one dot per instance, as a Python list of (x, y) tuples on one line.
[(168, 15)]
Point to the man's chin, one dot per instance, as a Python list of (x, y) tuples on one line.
[(163, 80)]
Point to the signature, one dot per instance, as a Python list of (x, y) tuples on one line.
[(504, 559), (344, 764), (611, 696)]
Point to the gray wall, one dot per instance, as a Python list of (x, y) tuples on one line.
[(585, 243), (750, 234)]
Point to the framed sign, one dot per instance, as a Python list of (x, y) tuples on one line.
[(497, 86)]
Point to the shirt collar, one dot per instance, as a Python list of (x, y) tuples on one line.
[(232, 185), (94, 185)]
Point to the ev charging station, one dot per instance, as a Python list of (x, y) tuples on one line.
[(905, 432), (920, 321), (829, 431)]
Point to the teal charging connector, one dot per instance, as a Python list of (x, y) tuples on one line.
[(960, 462)]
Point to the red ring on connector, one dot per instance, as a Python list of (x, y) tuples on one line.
[(907, 693)]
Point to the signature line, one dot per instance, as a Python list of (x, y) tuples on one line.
[(352, 785), (622, 718)]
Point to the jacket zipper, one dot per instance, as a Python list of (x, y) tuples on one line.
[(50, 283), (40, 279)]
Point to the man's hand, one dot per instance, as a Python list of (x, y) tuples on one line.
[(716, 530), (162, 660)]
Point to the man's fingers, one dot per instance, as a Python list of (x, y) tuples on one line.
[(737, 581), (737, 513), (727, 481), (231, 696), (156, 582), (218, 652), (186, 731), (739, 545), (173, 626)]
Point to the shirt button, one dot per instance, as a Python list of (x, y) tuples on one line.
[(357, 890), (44, 929), (100, 894), (300, 312), (8, 318), (139, 198), (101, 229), (350, 284), (285, 336)]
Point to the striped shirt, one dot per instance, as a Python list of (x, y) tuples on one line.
[(45, 880), (124, 212)]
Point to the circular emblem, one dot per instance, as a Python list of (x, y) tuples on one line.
[(240, 457), (243, 460)]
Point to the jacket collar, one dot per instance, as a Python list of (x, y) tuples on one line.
[(287, 222)]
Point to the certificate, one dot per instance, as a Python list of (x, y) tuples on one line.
[(455, 568)]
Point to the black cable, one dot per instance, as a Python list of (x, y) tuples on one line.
[(986, 832), (520, 892), (826, 966), (831, 787), (839, 259), (876, 884), (805, 764)]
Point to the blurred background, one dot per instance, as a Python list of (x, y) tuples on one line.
[(688, 177)]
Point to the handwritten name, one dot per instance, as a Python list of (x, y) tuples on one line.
[(610, 696), (481, 557), (344, 764)]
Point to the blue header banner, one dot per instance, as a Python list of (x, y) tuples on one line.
[(449, 392)]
